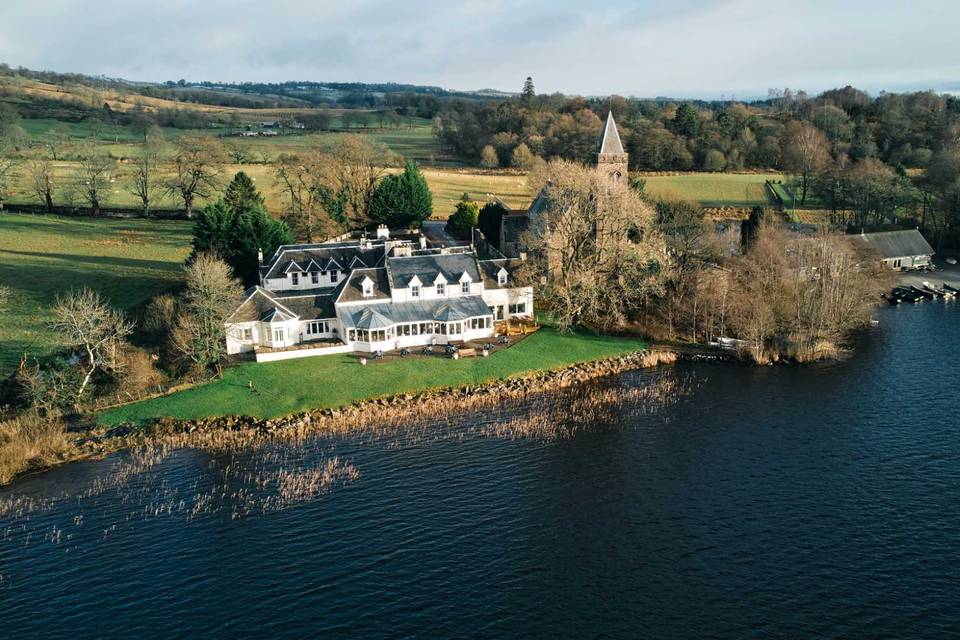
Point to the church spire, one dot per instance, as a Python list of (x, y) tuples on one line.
[(610, 140), (611, 158)]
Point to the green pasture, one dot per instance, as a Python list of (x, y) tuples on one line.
[(127, 261)]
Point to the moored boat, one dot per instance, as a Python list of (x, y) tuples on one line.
[(926, 295), (940, 293)]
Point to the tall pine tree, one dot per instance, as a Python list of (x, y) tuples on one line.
[(242, 194), (237, 227), (528, 93)]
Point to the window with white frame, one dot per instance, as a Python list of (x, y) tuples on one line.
[(317, 327), (367, 287), (519, 307), (245, 333), (279, 334), (441, 289), (315, 277), (414, 291), (334, 275), (295, 278), (464, 287)]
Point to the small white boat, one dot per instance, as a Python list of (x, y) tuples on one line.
[(950, 260)]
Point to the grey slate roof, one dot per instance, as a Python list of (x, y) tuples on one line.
[(897, 244), (310, 307), (379, 316), (257, 304), (351, 289), (491, 268), (340, 257), (610, 140), (451, 265)]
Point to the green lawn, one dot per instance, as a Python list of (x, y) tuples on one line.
[(126, 260), (281, 388), (714, 189)]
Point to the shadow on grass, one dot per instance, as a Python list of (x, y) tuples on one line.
[(114, 261)]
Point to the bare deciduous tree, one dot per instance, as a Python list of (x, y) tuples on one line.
[(211, 295), (800, 296), (238, 152), (806, 152), (596, 255), (143, 181), (86, 322), (93, 176), (301, 179), (9, 169), (55, 140), (42, 182), (196, 169), (351, 167)]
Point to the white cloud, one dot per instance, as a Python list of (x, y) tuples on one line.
[(687, 47)]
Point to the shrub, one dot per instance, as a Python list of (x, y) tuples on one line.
[(160, 314), (463, 220), (51, 389), (137, 373)]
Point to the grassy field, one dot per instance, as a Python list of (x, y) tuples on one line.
[(714, 189), (126, 260), (281, 388), (447, 186)]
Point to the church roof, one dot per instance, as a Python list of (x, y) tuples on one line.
[(610, 142)]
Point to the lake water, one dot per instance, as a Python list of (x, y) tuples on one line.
[(817, 501)]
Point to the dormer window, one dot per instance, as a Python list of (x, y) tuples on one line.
[(414, 291), (441, 288), (367, 286), (334, 275), (465, 280), (502, 277), (295, 279)]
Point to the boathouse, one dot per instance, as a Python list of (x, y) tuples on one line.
[(901, 250)]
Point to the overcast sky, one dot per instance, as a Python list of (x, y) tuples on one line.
[(678, 48)]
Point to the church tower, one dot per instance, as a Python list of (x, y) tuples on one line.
[(611, 158)]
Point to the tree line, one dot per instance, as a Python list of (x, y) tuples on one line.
[(893, 159), (332, 186)]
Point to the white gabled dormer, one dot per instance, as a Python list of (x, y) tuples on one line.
[(415, 285), (465, 281), (366, 286), (441, 284), (502, 276)]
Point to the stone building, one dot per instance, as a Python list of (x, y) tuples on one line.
[(612, 162), (611, 158)]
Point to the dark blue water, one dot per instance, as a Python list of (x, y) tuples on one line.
[(819, 501)]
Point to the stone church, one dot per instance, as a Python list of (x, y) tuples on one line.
[(611, 162)]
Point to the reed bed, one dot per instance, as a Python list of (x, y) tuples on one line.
[(30, 442), (267, 466), (232, 433)]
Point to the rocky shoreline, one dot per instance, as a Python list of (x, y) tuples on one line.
[(231, 432)]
